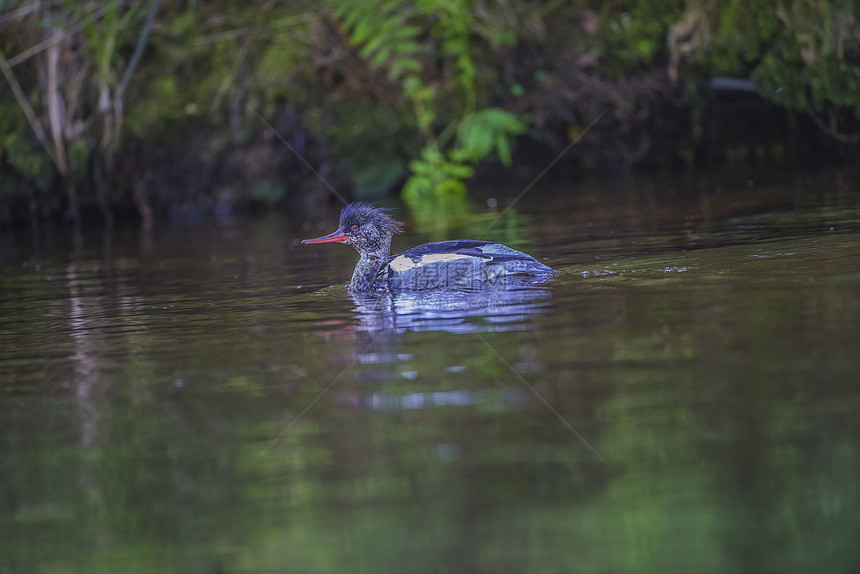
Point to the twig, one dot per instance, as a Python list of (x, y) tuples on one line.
[(138, 51), (53, 103), (230, 78), (45, 44), (35, 124), (26, 10), (838, 136)]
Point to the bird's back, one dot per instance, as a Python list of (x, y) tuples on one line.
[(461, 264)]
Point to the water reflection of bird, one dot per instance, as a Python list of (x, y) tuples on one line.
[(462, 264)]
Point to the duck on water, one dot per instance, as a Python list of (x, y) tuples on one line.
[(457, 264)]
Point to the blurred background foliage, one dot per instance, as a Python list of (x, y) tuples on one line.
[(180, 107)]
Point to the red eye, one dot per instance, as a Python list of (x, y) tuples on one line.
[(354, 228)]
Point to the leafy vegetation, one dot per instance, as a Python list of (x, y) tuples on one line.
[(802, 54), (394, 36), (156, 104)]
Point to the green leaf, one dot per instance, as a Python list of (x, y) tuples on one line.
[(409, 31), (379, 58), (415, 187), (407, 47), (372, 46), (449, 189), (432, 156), (458, 170), (401, 66), (503, 149), (420, 167), (364, 29)]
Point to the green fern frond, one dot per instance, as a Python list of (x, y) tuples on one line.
[(399, 37)]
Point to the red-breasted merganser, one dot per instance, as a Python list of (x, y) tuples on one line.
[(458, 264)]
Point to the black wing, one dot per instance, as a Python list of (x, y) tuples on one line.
[(464, 246)]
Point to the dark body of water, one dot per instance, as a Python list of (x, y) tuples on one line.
[(684, 397)]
